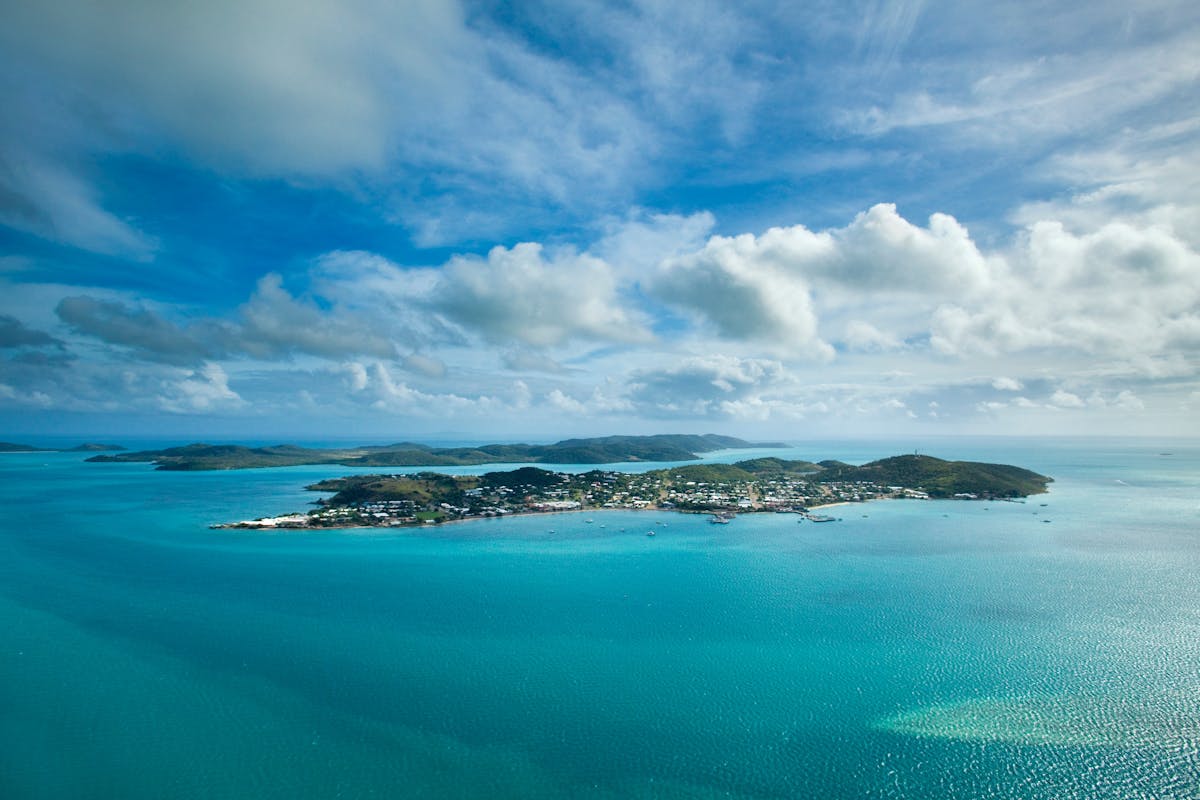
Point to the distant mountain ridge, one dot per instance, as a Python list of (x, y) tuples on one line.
[(600, 450)]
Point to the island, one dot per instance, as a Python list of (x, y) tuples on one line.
[(601, 450), (723, 490), (87, 447), (13, 447)]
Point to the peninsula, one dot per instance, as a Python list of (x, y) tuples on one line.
[(757, 485), (602, 450)]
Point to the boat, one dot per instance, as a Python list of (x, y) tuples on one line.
[(649, 533), (820, 518), (721, 519)]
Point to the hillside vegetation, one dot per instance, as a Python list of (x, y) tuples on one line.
[(941, 478)]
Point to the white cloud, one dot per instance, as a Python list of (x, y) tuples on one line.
[(274, 321), (704, 386), (561, 401), (862, 335), (881, 252), (1065, 399), (1128, 400), (1003, 384), (880, 272), (1087, 320), (356, 376), (635, 246), (1118, 291), (743, 287), (203, 390), (519, 296), (602, 400)]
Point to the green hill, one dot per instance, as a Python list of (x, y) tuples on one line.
[(778, 466), (707, 473), (941, 478)]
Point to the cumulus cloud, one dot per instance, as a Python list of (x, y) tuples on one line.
[(518, 296), (1065, 399), (862, 335), (602, 400), (881, 252), (701, 386), (764, 288), (355, 375), (386, 393), (1004, 384), (743, 289), (1128, 400), (275, 322), (203, 390), (1119, 291), (637, 245)]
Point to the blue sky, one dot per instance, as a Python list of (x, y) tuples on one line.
[(503, 220)]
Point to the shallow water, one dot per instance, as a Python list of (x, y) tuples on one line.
[(914, 649)]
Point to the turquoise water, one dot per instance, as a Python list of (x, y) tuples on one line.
[(914, 649)]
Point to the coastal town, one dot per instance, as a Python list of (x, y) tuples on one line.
[(722, 491)]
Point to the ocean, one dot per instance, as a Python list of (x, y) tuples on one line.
[(914, 649)]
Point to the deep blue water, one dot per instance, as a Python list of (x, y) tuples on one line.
[(914, 649)]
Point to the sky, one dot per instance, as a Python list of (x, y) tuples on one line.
[(496, 220)]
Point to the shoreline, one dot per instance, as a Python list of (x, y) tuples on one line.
[(249, 525)]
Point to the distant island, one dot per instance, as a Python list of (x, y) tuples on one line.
[(89, 447), (12, 447), (602, 450), (724, 490)]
